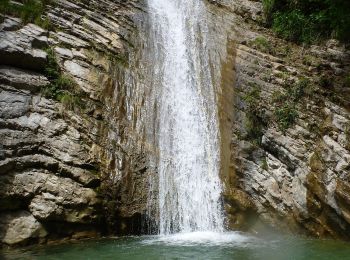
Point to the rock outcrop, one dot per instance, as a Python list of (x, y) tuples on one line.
[(19, 227), (289, 166), (66, 167)]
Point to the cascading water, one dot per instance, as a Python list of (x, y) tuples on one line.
[(187, 133)]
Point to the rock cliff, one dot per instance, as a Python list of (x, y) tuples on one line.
[(69, 165), (289, 142)]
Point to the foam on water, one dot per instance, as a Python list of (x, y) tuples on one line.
[(232, 239)]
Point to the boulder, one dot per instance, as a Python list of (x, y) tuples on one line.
[(51, 197), (19, 227)]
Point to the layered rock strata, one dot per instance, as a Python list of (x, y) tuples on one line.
[(293, 178), (67, 169)]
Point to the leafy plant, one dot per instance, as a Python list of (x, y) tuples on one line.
[(308, 21), (268, 6), (286, 116), (255, 118), (298, 89), (325, 81), (347, 134), (58, 87), (289, 25), (30, 11), (61, 86), (52, 70), (264, 164), (347, 81), (69, 100), (278, 97), (285, 103)]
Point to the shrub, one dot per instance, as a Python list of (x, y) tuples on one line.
[(289, 25), (255, 118), (285, 103), (262, 44), (30, 11), (308, 21), (286, 116), (4, 6), (347, 81), (61, 86), (268, 6)]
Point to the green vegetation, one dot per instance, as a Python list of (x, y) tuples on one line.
[(347, 134), (264, 164), (285, 103), (326, 81), (269, 6), (308, 21), (262, 44), (255, 118), (118, 60), (61, 86), (286, 116), (30, 11), (347, 81), (70, 101)]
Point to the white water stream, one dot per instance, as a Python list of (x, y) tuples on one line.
[(188, 127)]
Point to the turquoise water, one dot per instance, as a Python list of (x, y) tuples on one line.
[(190, 246)]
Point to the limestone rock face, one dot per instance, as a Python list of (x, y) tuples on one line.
[(295, 178), (51, 197), (21, 48), (62, 166)]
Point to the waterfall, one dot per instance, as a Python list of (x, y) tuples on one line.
[(187, 131)]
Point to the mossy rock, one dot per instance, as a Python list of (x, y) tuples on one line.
[(316, 164), (239, 199)]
